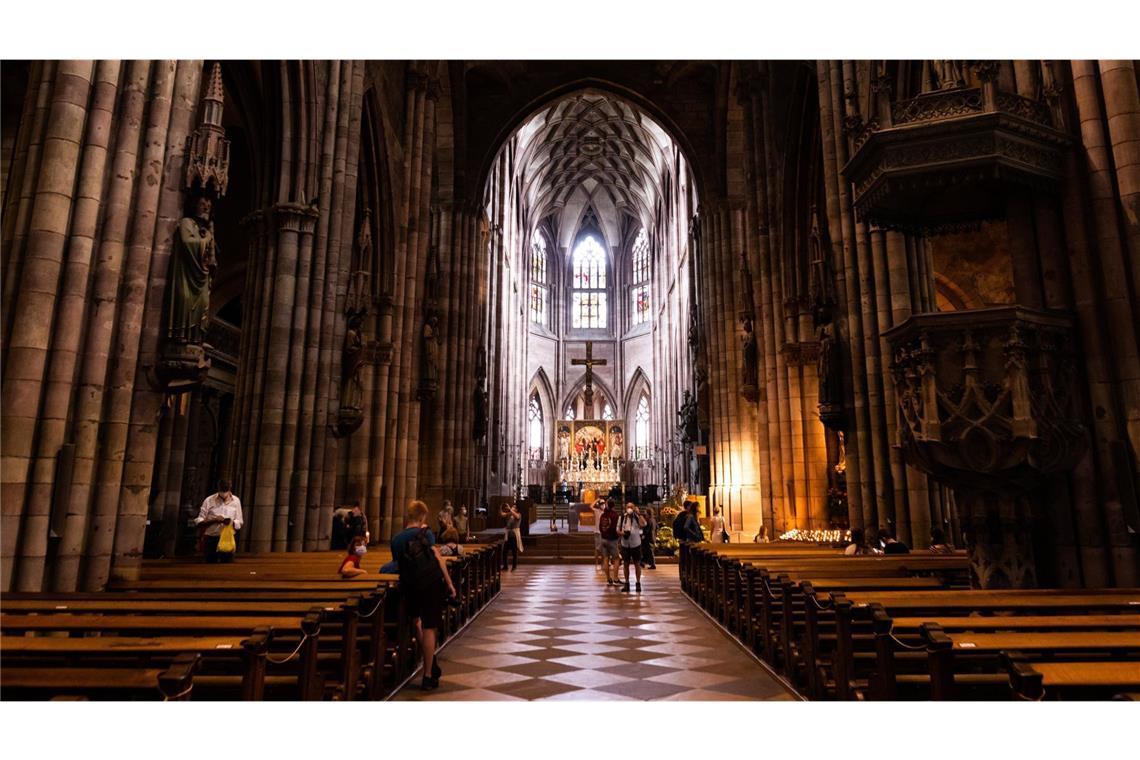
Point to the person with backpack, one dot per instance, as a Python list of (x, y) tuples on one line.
[(423, 578), (608, 530), (629, 528)]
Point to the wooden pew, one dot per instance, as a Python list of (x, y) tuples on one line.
[(172, 683), (46, 651), (1036, 680), (947, 650)]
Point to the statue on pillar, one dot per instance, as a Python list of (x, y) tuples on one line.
[(479, 397), (750, 372), (193, 263), (183, 362)]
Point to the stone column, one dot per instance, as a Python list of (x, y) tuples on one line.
[(28, 348)]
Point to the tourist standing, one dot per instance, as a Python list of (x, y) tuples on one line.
[(512, 536), (608, 531), (716, 528), (219, 511), (423, 579), (355, 525), (630, 525), (648, 537)]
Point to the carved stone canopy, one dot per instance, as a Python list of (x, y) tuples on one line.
[(948, 158), (986, 397)]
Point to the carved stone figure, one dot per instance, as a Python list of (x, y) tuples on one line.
[(193, 262), (479, 397), (749, 379), (950, 74), (825, 368), (687, 418), (431, 350), (353, 360)]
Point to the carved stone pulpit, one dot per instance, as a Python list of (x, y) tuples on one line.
[(987, 406)]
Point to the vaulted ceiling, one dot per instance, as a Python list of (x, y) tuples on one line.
[(592, 149)]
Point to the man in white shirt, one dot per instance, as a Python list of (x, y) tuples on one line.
[(217, 510)]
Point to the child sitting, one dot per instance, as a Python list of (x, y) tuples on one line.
[(350, 565)]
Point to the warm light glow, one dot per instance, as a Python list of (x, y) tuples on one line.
[(816, 536)]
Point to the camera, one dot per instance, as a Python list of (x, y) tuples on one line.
[(625, 534)]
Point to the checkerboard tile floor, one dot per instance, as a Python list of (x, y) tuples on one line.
[(558, 632)]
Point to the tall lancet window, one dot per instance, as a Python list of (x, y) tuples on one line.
[(539, 284), (607, 412), (641, 429), (588, 300), (534, 419), (639, 292)]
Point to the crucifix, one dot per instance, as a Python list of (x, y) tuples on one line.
[(589, 363)]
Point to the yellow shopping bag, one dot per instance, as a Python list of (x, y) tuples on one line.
[(226, 543)]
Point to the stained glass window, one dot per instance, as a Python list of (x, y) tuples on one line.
[(607, 412), (641, 257), (639, 298), (641, 429), (539, 291), (639, 305), (534, 415), (588, 306), (570, 412)]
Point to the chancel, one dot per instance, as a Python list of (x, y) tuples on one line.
[(713, 343)]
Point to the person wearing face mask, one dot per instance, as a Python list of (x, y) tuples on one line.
[(350, 565)]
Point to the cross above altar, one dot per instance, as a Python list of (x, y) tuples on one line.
[(589, 363)]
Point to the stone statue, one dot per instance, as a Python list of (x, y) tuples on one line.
[(825, 335), (352, 391), (431, 349), (750, 370), (687, 417), (479, 397), (950, 74), (193, 262)]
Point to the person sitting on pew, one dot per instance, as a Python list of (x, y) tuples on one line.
[(462, 524), (350, 565), (938, 543), (449, 543), (858, 545), (218, 509), (892, 545)]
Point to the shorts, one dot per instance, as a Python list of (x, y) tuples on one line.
[(631, 553), (597, 541), (609, 548), (427, 606)]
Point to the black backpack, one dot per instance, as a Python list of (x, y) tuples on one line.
[(419, 568)]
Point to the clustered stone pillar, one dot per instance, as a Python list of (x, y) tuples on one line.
[(448, 454), (285, 455), (883, 276), (98, 161)]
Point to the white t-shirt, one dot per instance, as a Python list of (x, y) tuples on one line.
[(630, 523), (213, 507)]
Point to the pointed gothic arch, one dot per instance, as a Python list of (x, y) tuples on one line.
[(602, 395)]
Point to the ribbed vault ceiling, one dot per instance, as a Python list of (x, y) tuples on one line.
[(593, 148)]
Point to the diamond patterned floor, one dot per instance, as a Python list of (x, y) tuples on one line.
[(557, 632)]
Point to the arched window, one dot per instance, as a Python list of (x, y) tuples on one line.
[(641, 429), (607, 412), (534, 417), (639, 292), (570, 412), (588, 300), (539, 285)]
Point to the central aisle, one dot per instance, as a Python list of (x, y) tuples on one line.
[(557, 632)]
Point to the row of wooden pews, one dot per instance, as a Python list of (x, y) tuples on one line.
[(909, 627), (270, 626)]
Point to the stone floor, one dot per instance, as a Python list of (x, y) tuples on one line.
[(558, 632)]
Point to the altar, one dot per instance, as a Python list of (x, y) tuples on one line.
[(590, 454)]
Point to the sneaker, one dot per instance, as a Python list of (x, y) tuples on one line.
[(625, 587), (639, 587)]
